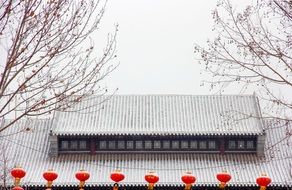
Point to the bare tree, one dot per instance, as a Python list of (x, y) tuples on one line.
[(5, 165), (46, 62), (253, 48)]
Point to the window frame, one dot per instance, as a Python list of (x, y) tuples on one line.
[(182, 142), (166, 142), (175, 142), (253, 145), (99, 145), (67, 146), (237, 144), (159, 146), (171, 144), (132, 145), (194, 147), (77, 144), (142, 144), (112, 142), (206, 145), (86, 145), (233, 147), (215, 144), (145, 144), (121, 145)]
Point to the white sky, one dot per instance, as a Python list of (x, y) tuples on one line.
[(155, 45)]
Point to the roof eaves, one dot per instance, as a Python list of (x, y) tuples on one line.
[(106, 133)]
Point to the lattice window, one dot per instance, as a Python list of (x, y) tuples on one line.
[(82, 144), (148, 144), (184, 144), (102, 144), (231, 144), (139, 144), (130, 144), (203, 145), (166, 144), (121, 144), (194, 144), (175, 144), (112, 144), (212, 144), (64, 145)]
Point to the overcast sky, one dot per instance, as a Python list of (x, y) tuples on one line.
[(155, 46), (156, 43)]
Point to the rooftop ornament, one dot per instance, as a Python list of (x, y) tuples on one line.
[(263, 181), (17, 173), (117, 176), (223, 177), (82, 176), (50, 176), (151, 178), (188, 178)]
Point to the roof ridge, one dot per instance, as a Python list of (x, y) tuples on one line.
[(215, 95)]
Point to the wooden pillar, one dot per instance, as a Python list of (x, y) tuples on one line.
[(222, 146), (92, 146)]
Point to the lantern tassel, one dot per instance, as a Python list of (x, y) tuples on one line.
[(222, 185), (188, 186), (150, 186), (263, 188), (49, 184), (116, 186), (81, 185), (16, 182)]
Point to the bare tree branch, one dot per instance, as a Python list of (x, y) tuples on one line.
[(253, 49), (51, 63)]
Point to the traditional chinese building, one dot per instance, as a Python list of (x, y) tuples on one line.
[(168, 134)]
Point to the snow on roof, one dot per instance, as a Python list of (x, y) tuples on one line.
[(29, 149), (161, 114)]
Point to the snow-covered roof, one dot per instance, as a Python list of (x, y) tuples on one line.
[(161, 114), (29, 149)]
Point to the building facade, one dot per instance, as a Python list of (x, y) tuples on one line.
[(168, 134)]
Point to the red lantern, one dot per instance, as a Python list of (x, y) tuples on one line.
[(17, 173), (17, 188), (50, 176), (82, 176), (151, 178), (263, 181), (223, 177), (117, 176), (188, 179)]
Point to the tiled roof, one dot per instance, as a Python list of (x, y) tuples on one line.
[(162, 114), (29, 149)]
